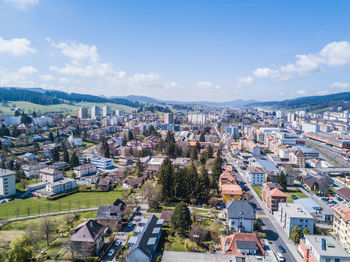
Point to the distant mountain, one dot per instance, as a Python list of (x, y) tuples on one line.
[(311, 103), (150, 100), (51, 97)]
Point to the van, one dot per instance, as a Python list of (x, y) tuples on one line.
[(280, 257)]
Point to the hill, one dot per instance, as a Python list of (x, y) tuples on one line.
[(311, 103)]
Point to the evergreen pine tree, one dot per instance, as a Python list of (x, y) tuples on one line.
[(166, 179), (66, 156), (203, 185), (55, 155), (181, 219)]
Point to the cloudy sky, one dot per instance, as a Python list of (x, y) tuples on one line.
[(177, 49)]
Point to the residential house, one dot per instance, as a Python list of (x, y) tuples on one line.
[(133, 182), (143, 245), (256, 175), (344, 192), (341, 225), (290, 215), (272, 195), (321, 248), (104, 183), (110, 216), (230, 192), (50, 174), (241, 245), (166, 216), (85, 170), (240, 216), (88, 239), (227, 177)]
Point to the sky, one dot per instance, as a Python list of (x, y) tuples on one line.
[(189, 50)]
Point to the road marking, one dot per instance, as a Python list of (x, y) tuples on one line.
[(262, 216)]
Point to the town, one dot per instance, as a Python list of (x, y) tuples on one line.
[(174, 183)]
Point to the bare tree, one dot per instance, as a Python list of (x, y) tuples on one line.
[(46, 228), (32, 235), (152, 194)]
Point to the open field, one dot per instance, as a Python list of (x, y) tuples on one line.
[(257, 190), (63, 108), (34, 206)]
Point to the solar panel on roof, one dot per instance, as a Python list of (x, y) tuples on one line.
[(151, 241)]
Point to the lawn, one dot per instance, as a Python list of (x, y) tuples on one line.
[(24, 182), (34, 206), (296, 193), (257, 190)]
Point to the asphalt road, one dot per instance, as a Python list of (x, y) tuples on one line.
[(274, 239)]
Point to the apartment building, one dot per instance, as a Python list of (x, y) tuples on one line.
[(83, 112), (49, 174), (341, 225), (7, 183), (256, 175), (102, 162), (297, 157), (272, 195), (62, 186), (85, 170), (95, 113), (290, 215), (321, 248)]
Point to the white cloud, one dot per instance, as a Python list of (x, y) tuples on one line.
[(22, 4), (206, 85), (47, 78), (76, 51), (333, 54), (16, 46), (28, 70), (301, 92), (339, 85), (145, 79), (245, 80), (171, 85)]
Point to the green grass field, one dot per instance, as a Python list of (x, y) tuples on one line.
[(34, 206), (63, 108), (296, 193), (257, 190)]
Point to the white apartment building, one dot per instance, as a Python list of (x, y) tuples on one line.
[(102, 162), (197, 119), (106, 111), (85, 170), (95, 113), (290, 215), (7, 183), (62, 186)]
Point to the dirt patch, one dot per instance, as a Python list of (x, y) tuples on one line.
[(6, 236)]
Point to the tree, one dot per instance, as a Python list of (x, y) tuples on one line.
[(296, 235), (203, 190), (20, 250), (152, 193), (139, 168), (166, 179), (181, 220), (55, 155), (36, 147), (198, 234), (51, 137), (46, 229), (192, 181), (74, 161), (66, 156), (130, 135), (282, 180), (193, 153), (210, 151), (2, 257), (25, 119), (181, 188), (202, 137), (15, 132), (306, 231)]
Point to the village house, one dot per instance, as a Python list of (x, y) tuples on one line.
[(240, 216), (272, 195), (50, 174)]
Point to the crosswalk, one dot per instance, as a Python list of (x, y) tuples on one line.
[(261, 216)]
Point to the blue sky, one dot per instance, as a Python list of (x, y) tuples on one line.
[(185, 50)]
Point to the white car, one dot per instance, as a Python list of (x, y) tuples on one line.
[(280, 257), (110, 252)]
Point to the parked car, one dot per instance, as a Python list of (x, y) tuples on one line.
[(294, 197), (110, 252), (281, 249), (280, 257), (117, 243), (130, 224)]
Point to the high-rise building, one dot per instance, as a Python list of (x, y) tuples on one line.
[(106, 111), (168, 118), (83, 113), (95, 113), (7, 183), (119, 113), (197, 119)]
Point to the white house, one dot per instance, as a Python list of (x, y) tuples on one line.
[(240, 216)]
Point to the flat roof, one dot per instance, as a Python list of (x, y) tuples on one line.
[(333, 248), (295, 210), (175, 256), (6, 172), (309, 204)]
